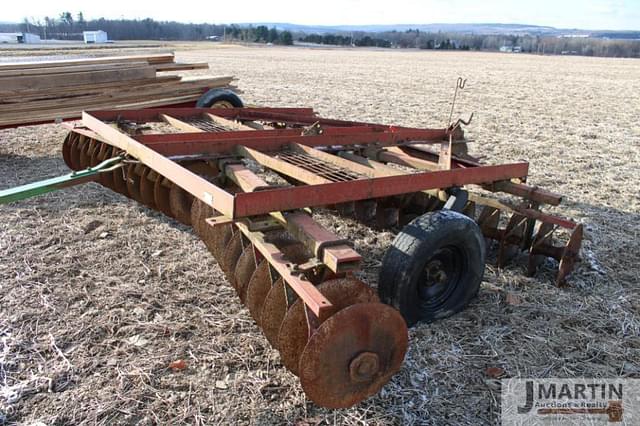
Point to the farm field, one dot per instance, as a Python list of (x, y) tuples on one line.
[(100, 294)]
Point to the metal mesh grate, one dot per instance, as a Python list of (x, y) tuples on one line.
[(206, 124), (311, 164)]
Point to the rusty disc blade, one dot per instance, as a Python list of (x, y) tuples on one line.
[(570, 255), (257, 290), (365, 210), (133, 183), (74, 152), (199, 213), (106, 178), (353, 354), (180, 202), (511, 241), (120, 181), (273, 311), (245, 268), (216, 239), (66, 148), (231, 255), (346, 209), (85, 153), (100, 154), (387, 216), (197, 216), (294, 331), (94, 153), (161, 196), (146, 188), (542, 237), (294, 252)]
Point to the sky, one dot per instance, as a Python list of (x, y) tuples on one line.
[(583, 14)]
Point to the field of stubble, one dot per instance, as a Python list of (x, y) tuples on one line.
[(99, 294)]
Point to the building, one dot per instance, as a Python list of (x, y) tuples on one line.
[(511, 49), (10, 37), (19, 38), (95, 36)]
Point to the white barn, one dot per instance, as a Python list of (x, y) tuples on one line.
[(95, 36), (19, 38)]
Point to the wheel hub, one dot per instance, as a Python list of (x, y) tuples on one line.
[(364, 367), (440, 274)]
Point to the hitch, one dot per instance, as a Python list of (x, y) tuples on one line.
[(49, 185)]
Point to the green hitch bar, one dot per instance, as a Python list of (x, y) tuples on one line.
[(49, 185)]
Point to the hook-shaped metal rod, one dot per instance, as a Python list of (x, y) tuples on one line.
[(460, 84), (459, 122)]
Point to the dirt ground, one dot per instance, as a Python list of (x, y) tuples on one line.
[(100, 294)]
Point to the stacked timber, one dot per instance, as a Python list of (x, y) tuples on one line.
[(44, 91)]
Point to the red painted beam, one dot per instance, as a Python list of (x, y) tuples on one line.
[(151, 115), (282, 199), (150, 139), (270, 140)]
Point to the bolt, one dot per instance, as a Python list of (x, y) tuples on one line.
[(364, 367)]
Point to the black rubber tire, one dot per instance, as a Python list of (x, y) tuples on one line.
[(444, 238), (216, 95)]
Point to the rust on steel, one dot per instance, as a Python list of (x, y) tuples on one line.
[(200, 188), (336, 372), (255, 203), (518, 189), (318, 193), (274, 140), (299, 326), (153, 114), (333, 251), (316, 302)]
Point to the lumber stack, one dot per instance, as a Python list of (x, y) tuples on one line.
[(43, 91)]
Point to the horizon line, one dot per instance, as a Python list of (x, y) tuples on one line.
[(336, 26)]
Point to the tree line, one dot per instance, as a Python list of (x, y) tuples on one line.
[(68, 26), (587, 46)]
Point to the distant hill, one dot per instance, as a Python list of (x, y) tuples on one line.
[(458, 28), (481, 29)]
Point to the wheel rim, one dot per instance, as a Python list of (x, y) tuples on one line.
[(222, 104), (441, 276)]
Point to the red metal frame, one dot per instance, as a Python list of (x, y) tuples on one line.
[(255, 203), (328, 162), (154, 154)]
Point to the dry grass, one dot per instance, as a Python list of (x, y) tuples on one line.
[(99, 294)]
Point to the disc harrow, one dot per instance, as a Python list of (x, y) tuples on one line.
[(245, 181)]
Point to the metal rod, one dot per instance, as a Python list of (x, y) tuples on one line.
[(49, 185), (179, 124)]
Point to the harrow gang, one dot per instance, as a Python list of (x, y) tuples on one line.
[(244, 179)]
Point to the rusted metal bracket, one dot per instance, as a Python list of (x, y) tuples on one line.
[(311, 296), (336, 253), (446, 153), (314, 130)]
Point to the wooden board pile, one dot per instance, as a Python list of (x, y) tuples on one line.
[(43, 91)]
